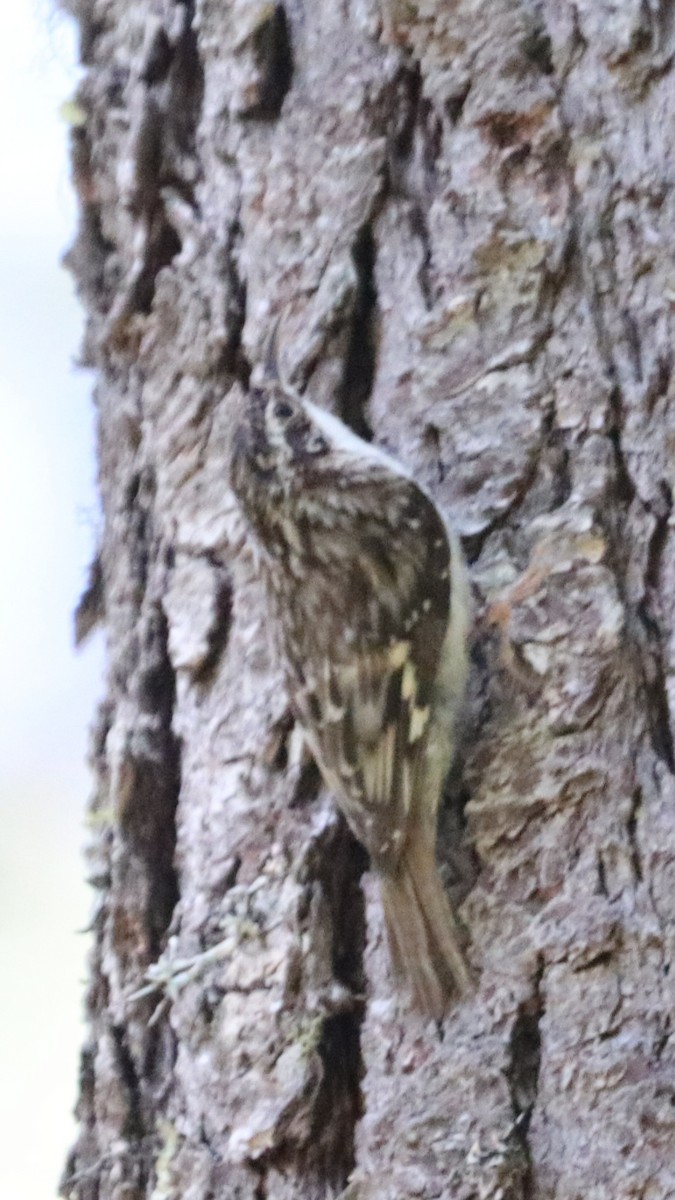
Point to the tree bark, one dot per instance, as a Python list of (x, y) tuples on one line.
[(463, 213)]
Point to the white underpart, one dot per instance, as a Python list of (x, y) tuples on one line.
[(344, 439)]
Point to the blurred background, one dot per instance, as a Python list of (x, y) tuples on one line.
[(48, 525)]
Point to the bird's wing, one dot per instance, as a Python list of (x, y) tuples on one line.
[(365, 705)]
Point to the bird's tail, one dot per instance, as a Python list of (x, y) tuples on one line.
[(423, 931)]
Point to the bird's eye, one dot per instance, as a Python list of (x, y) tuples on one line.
[(283, 410)]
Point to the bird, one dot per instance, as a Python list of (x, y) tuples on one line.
[(370, 607)]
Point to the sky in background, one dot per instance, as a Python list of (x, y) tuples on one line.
[(48, 526)]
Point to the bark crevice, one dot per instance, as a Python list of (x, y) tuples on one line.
[(148, 821), (522, 1071), (273, 54), (333, 906), (361, 355)]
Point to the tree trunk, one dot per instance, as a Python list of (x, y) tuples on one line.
[(463, 213)]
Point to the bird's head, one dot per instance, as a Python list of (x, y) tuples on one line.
[(276, 438)]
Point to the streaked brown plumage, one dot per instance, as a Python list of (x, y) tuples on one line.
[(370, 606)]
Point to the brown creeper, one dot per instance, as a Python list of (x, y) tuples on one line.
[(371, 608)]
